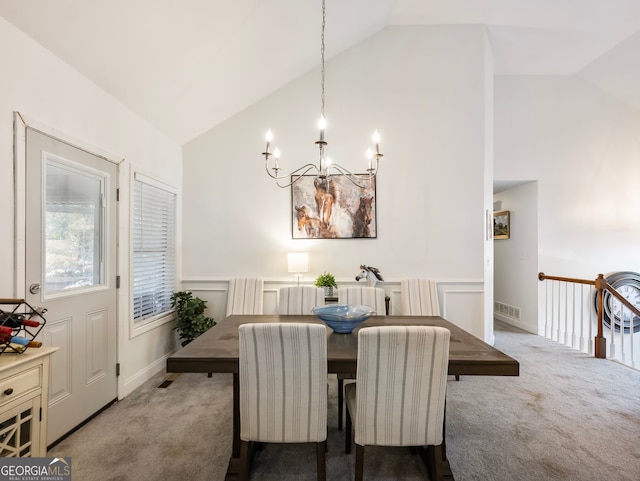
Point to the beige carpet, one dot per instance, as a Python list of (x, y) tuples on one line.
[(567, 417)]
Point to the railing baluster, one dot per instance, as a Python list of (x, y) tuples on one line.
[(547, 308), (557, 338), (612, 344), (592, 292), (581, 341), (621, 334)]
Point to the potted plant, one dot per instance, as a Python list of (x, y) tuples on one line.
[(190, 318), (328, 282)]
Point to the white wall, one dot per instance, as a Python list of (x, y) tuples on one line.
[(425, 89), (516, 258), (44, 89), (583, 148)]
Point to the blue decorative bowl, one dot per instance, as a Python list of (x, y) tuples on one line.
[(343, 318)]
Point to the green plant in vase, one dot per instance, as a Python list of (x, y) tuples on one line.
[(328, 282), (190, 318)]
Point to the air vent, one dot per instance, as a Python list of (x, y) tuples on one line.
[(506, 310), (168, 380)]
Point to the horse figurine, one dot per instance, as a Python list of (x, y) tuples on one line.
[(371, 274)]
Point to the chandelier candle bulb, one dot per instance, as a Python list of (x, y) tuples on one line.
[(376, 140), (322, 123), (269, 137)]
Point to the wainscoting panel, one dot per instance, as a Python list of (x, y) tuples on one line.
[(461, 302)]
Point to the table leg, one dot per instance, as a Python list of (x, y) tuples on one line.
[(234, 461)]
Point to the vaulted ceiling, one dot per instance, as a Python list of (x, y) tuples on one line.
[(187, 65)]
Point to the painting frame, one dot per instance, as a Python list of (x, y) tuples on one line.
[(335, 207), (502, 224)]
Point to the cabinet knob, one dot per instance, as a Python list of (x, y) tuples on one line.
[(9, 391)]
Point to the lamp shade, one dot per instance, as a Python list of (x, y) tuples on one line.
[(298, 262)]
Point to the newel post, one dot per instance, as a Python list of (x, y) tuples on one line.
[(600, 344)]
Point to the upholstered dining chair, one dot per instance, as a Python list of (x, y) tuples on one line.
[(398, 398), (419, 297), (373, 297), (283, 387), (363, 296), (299, 299), (245, 296)]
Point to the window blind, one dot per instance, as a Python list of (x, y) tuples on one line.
[(154, 250)]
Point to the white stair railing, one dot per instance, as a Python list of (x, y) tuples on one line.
[(589, 315)]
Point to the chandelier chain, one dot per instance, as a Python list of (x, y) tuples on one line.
[(322, 61)]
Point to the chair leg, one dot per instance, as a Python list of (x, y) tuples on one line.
[(360, 462), (347, 434), (457, 377), (320, 458), (244, 461), (340, 402), (436, 458)]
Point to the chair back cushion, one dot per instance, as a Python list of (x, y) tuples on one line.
[(363, 296), (245, 296), (283, 382), (400, 385), (300, 299), (419, 297)]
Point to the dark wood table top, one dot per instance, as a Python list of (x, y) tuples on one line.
[(217, 349)]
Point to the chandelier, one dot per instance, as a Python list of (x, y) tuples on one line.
[(325, 166)]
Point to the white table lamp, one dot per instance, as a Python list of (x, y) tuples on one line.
[(298, 263)]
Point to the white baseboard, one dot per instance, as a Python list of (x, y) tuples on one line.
[(138, 379), (515, 323)]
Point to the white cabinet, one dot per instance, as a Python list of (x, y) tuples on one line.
[(24, 393)]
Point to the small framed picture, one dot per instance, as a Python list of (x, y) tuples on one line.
[(501, 228)]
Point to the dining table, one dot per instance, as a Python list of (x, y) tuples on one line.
[(217, 350)]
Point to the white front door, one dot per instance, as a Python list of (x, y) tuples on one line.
[(71, 221)]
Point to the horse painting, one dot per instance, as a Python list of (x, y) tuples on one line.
[(371, 274), (332, 208), (362, 218), (325, 199), (311, 225)]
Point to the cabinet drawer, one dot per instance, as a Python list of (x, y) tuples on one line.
[(14, 386)]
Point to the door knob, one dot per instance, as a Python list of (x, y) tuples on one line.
[(34, 288)]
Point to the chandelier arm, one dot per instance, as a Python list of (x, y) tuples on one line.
[(305, 169), (353, 178)]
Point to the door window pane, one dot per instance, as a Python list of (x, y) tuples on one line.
[(73, 227)]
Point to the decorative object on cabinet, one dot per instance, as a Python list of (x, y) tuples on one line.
[(333, 208), (371, 274), (190, 319), (20, 323), (328, 282), (501, 227)]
